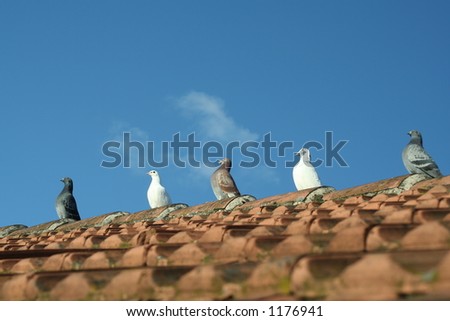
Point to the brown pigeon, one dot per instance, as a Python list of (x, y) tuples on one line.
[(222, 182)]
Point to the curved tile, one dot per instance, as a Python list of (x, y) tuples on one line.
[(374, 277), (14, 288), (115, 241), (92, 222), (73, 287), (260, 247), (269, 278), (288, 199), (6, 230), (28, 265), (231, 250), (395, 185), (208, 208), (387, 237), (204, 280), (102, 260), (315, 277), (296, 245), (133, 284), (41, 228), (187, 255), (428, 236), (430, 215), (214, 234), (351, 239), (399, 216), (301, 226)]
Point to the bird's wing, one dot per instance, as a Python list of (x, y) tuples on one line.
[(422, 161), (305, 176), (166, 197), (217, 190), (314, 177), (71, 206), (226, 183), (158, 196)]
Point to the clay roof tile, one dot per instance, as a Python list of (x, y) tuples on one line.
[(384, 240), (432, 235)]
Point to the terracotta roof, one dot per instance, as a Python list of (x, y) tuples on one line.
[(387, 240)]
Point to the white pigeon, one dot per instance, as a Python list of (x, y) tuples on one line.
[(156, 194), (304, 173), (416, 159)]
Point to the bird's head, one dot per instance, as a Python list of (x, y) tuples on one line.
[(416, 136), (303, 152), (153, 173), (67, 180), (68, 183), (414, 133), (226, 162)]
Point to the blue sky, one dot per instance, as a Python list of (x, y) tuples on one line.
[(77, 74)]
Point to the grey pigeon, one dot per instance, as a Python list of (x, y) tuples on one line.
[(222, 182), (157, 195), (416, 159), (65, 204)]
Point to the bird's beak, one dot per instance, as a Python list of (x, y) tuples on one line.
[(61, 180)]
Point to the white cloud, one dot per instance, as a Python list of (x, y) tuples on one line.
[(209, 120), (209, 114), (118, 128)]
